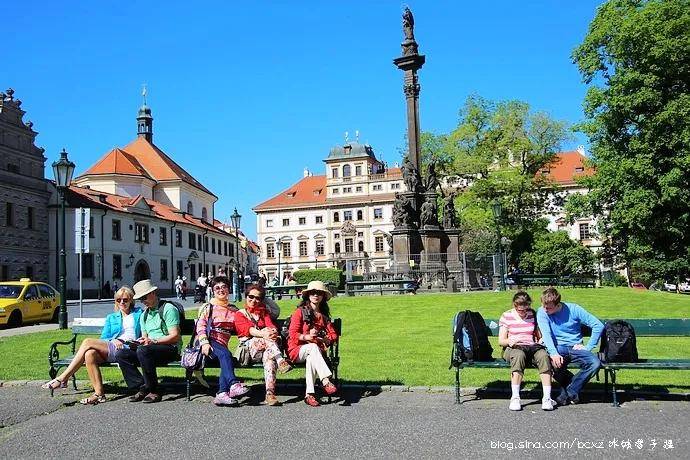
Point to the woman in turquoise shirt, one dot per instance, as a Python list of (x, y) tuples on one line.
[(120, 329)]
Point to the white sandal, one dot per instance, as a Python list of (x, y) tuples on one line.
[(93, 400), (54, 384)]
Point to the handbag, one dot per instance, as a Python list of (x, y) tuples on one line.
[(192, 358), (243, 355)]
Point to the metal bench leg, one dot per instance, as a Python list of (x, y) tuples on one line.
[(74, 382), (606, 382), (189, 384), (457, 385), (613, 385)]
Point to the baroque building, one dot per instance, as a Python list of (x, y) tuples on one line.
[(343, 216), (24, 195), (149, 218)]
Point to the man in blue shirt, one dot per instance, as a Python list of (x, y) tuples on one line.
[(560, 325)]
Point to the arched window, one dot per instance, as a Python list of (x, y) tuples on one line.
[(359, 214), (360, 246), (204, 214), (337, 248), (347, 171), (336, 217), (190, 208)]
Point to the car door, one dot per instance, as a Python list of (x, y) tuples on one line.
[(31, 306), (48, 301)]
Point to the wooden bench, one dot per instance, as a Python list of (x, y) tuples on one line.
[(524, 280), (93, 326), (360, 287), (643, 328)]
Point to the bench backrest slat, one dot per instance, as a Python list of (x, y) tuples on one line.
[(657, 327)]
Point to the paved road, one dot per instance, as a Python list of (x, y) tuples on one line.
[(385, 425), (91, 309)]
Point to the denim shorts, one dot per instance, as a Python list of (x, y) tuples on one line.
[(111, 352)]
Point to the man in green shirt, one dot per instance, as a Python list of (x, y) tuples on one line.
[(159, 344)]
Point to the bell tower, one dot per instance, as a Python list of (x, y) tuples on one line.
[(145, 120)]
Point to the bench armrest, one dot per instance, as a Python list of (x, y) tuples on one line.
[(54, 353)]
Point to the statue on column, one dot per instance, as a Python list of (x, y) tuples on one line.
[(450, 219), (389, 239), (409, 45), (432, 181), (410, 175), (428, 215), (403, 212)]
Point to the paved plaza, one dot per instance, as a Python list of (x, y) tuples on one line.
[(386, 424)]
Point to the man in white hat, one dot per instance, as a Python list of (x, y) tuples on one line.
[(160, 343)]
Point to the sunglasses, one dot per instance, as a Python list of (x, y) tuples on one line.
[(220, 287), (255, 297), (318, 293), (123, 299)]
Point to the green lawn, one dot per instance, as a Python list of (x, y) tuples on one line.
[(403, 339)]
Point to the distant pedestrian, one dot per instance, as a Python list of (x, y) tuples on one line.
[(184, 288), (178, 287), (106, 290)]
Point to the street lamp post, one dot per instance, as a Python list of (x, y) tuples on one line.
[(497, 211), (62, 171), (235, 218)]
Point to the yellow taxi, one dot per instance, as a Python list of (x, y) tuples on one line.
[(27, 301)]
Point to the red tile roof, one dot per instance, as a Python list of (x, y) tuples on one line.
[(566, 167), (85, 197), (303, 193), (143, 158)]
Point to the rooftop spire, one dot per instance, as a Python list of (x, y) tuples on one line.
[(144, 118)]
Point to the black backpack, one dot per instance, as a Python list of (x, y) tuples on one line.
[(307, 317), (470, 339), (618, 343)]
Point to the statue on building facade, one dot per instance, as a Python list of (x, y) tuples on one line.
[(428, 215)]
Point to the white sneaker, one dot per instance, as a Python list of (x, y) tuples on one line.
[(515, 403), (547, 404)]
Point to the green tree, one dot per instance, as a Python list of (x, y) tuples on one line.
[(556, 252), (499, 148), (636, 59)]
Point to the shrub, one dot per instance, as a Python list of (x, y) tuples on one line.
[(327, 275)]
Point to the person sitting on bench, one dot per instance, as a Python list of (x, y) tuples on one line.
[(519, 335), (311, 333), (223, 318), (159, 344), (259, 334), (560, 324), (121, 328)]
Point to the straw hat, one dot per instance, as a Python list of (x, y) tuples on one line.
[(142, 288), (317, 286)]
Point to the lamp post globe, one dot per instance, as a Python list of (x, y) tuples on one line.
[(236, 218), (63, 169)]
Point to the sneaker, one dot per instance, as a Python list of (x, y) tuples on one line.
[(224, 399), (271, 400), (312, 401), (238, 389), (547, 404), (284, 367), (515, 403), (562, 400), (330, 389), (574, 399)]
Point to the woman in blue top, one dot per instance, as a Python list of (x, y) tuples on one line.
[(121, 328)]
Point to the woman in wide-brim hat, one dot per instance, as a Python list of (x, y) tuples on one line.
[(311, 333)]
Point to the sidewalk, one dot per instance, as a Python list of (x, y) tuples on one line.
[(361, 424)]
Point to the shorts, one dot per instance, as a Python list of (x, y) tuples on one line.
[(112, 350), (518, 360)]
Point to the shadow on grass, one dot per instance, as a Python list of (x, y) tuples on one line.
[(593, 392)]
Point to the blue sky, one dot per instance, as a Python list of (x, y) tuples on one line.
[(246, 95)]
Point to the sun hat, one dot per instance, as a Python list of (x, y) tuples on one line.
[(317, 286), (142, 288)]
